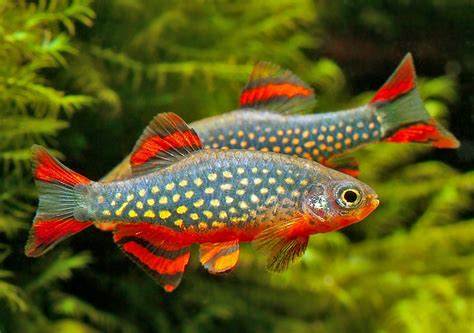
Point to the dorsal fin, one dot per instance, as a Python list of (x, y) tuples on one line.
[(275, 89), (166, 140)]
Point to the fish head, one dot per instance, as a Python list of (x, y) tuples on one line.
[(338, 202)]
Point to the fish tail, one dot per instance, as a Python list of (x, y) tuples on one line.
[(59, 213), (403, 117)]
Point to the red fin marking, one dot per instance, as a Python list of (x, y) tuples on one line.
[(46, 168), (269, 91), (343, 163), (401, 82), (219, 257), (157, 263), (425, 133), (46, 233)]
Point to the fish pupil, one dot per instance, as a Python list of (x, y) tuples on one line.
[(350, 196)]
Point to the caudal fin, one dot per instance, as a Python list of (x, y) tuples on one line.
[(402, 114), (59, 200)]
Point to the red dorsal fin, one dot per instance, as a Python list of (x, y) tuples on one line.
[(149, 247), (343, 163), (219, 257), (399, 83), (282, 243), (166, 140), (272, 88), (59, 197)]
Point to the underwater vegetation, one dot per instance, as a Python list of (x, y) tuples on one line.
[(84, 78)]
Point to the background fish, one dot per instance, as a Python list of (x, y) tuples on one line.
[(266, 120), (182, 194)]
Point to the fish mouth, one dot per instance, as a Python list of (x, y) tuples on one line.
[(373, 201)]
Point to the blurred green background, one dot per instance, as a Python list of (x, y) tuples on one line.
[(84, 78)]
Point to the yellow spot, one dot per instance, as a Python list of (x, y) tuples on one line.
[(243, 144), (347, 141), (304, 182), (163, 200), (240, 134), (371, 125), (288, 149), (262, 139), (198, 203), (295, 193), (285, 140), (365, 136), (330, 149), (280, 190), (244, 181), (194, 216), (221, 137), (243, 205), (309, 144), (305, 134), (149, 213), (307, 156), (276, 149), (198, 181), (330, 138), (295, 141), (265, 171), (181, 209), (322, 147), (264, 149), (360, 124), (356, 136), (314, 131), (279, 172), (169, 186), (254, 198), (264, 190), (299, 150), (189, 194), (209, 190), (280, 132), (254, 170), (106, 212), (271, 180), (139, 205), (233, 141), (227, 174), (289, 132), (216, 224), (119, 211), (297, 130), (118, 195), (215, 145), (339, 136), (272, 139), (338, 145), (257, 181), (164, 214), (130, 197), (150, 202), (113, 203), (225, 187), (179, 223), (100, 199), (176, 197), (183, 183), (202, 226), (223, 215), (155, 189), (142, 193), (324, 128), (207, 214), (212, 176), (349, 129), (240, 171), (271, 200), (228, 200), (232, 210), (215, 203), (132, 213), (332, 128), (240, 192), (320, 137)]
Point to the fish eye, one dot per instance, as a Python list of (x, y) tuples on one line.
[(348, 197)]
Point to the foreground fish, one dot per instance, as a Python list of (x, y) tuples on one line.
[(182, 194), (395, 114)]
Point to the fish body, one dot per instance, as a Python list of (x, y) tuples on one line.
[(182, 194), (266, 120)]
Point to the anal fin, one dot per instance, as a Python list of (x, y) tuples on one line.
[(150, 248), (219, 257)]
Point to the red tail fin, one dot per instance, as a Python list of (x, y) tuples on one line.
[(402, 114), (58, 202)]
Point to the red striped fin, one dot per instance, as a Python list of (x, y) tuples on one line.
[(165, 141), (59, 197), (399, 83), (273, 89), (219, 257), (164, 260)]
